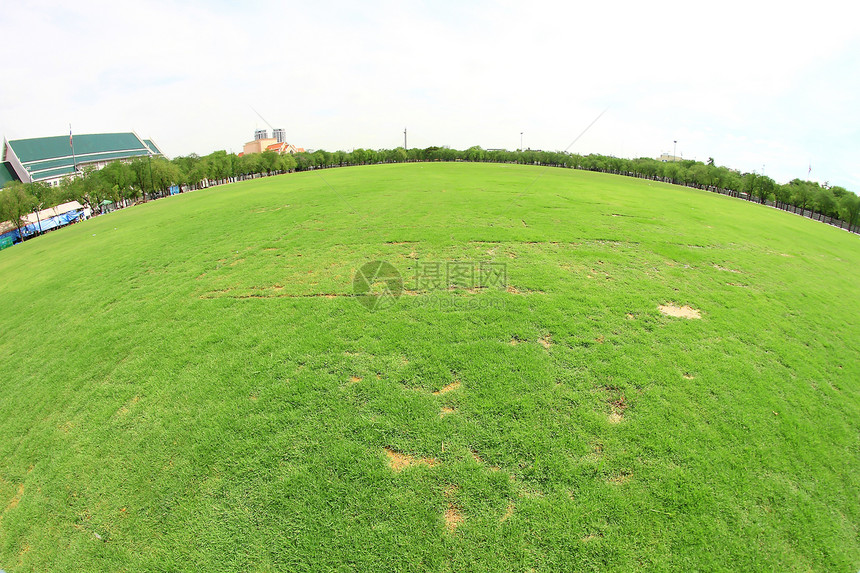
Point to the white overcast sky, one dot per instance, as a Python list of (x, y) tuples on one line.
[(752, 84)]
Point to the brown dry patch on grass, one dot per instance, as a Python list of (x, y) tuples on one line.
[(630, 316), (275, 292), (399, 461), (23, 551), (595, 454), (478, 459), (355, 379), (546, 341), (16, 499), (617, 405), (124, 410), (679, 311), (737, 285), (252, 397), (449, 388), (236, 262), (508, 512), (454, 517), (620, 478), (515, 341), (445, 411), (600, 339), (689, 376), (721, 268), (510, 289)]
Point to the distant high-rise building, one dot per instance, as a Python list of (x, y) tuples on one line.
[(280, 135), (261, 134)]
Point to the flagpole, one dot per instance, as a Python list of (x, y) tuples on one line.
[(72, 145)]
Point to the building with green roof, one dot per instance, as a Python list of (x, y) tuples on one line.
[(49, 159), (7, 174)]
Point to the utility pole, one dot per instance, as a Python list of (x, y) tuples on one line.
[(36, 210), (675, 151), (521, 141), (72, 145), (405, 147)]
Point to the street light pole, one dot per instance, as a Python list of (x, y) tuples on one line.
[(151, 185), (38, 220), (675, 151), (521, 141)]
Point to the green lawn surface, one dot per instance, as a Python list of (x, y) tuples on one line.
[(190, 384)]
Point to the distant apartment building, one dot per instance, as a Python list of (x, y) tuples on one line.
[(262, 142)]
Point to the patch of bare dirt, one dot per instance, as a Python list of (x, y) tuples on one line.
[(355, 379), (679, 311), (124, 410), (508, 513), (617, 406), (445, 411), (721, 268), (689, 376), (630, 316), (530, 493), (480, 460), (399, 461), (16, 499), (620, 478), (546, 341), (449, 388), (454, 517)]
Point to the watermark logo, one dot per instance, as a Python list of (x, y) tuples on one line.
[(437, 276), (377, 285), (444, 285)]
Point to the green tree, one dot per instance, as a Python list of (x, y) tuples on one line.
[(782, 194), (749, 183), (849, 209), (801, 194), (825, 203), (764, 188), (15, 204)]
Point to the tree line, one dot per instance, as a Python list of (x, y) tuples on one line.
[(146, 178)]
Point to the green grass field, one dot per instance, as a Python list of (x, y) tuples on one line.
[(190, 384)]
